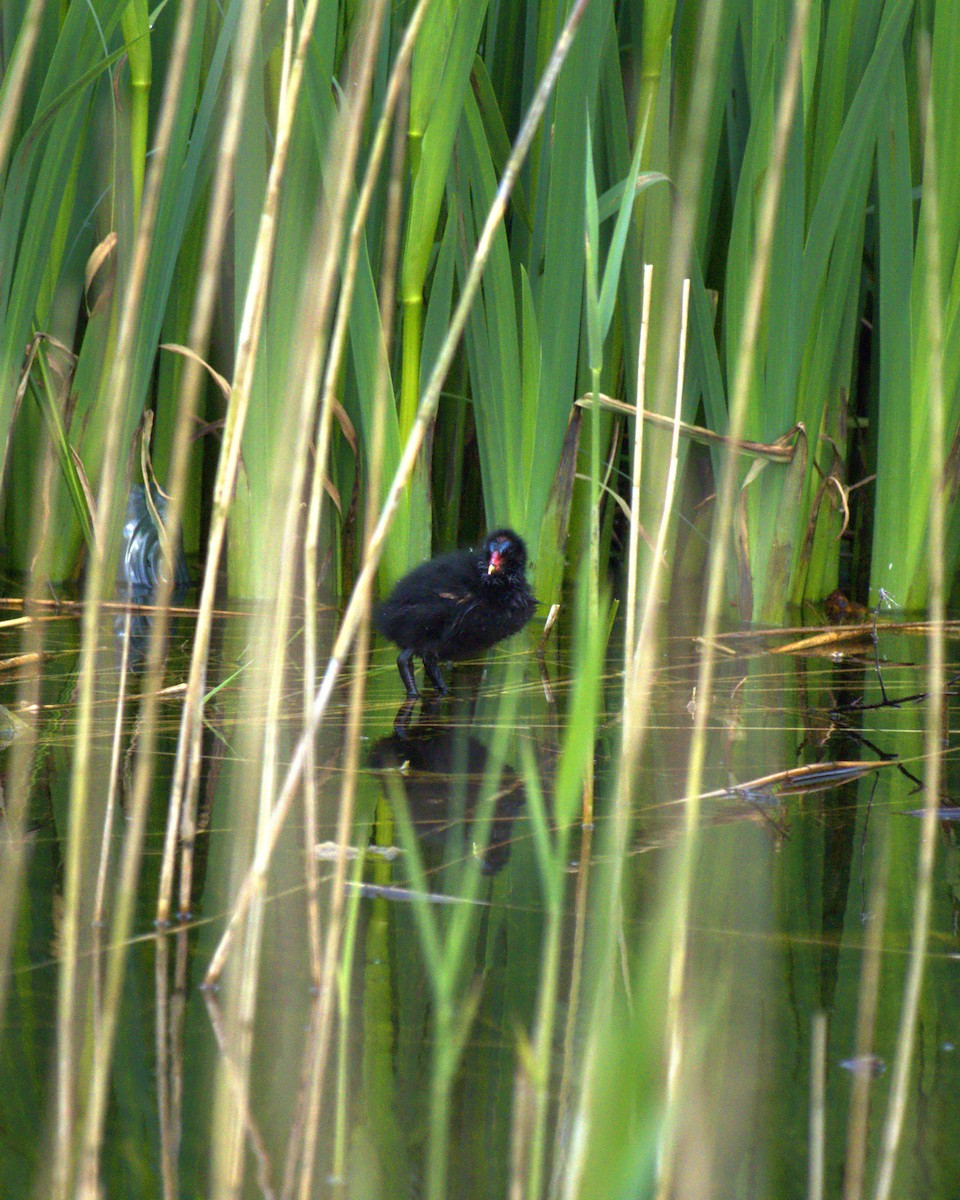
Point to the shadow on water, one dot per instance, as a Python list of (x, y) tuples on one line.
[(814, 767)]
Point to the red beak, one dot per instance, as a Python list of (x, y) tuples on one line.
[(495, 560)]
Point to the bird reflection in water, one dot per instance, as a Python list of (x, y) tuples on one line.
[(445, 775)]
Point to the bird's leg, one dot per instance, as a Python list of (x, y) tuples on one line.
[(405, 667), (432, 668)]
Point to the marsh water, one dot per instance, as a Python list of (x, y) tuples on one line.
[(795, 872)]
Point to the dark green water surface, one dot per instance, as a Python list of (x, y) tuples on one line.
[(790, 877)]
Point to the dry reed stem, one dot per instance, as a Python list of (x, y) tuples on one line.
[(650, 606), (188, 753), (313, 316), (114, 776), (117, 390), (817, 1124), (856, 1156), (271, 827), (634, 728), (258, 1146), (633, 546), (221, 199), (302, 1112), (641, 653), (341, 1105), (287, 52), (275, 626), (15, 80), (316, 318), (640, 657), (746, 353), (782, 450), (394, 94), (533, 1092), (161, 992), (826, 635), (537, 1085), (327, 993), (17, 784), (310, 827), (358, 683), (933, 733), (574, 1009)]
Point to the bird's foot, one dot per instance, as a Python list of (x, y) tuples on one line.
[(432, 668)]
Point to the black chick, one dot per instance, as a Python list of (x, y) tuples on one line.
[(456, 605)]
